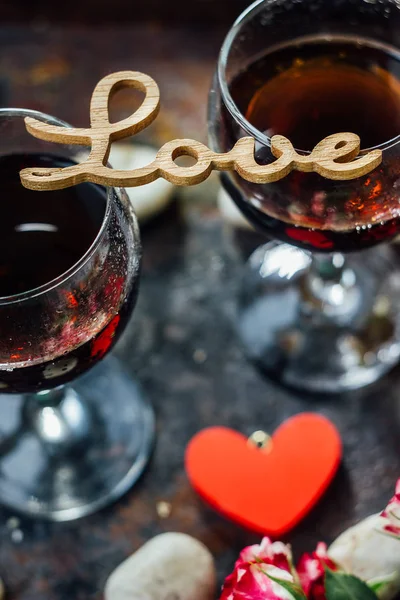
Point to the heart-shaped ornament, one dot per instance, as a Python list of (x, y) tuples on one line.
[(267, 490)]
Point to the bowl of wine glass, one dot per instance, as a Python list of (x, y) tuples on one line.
[(69, 276), (318, 307)]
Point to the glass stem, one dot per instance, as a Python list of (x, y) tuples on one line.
[(59, 418), (330, 286)]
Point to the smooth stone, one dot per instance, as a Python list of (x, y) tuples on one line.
[(171, 566), (147, 200), (369, 554)]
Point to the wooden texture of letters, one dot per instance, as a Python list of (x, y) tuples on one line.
[(333, 158)]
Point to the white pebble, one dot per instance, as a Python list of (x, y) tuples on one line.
[(369, 554), (147, 200), (170, 566)]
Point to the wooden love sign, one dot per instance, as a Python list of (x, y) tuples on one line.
[(333, 157)]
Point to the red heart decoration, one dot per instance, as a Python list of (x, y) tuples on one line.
[(266, 490)]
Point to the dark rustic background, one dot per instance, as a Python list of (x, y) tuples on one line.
[(93, 12), (181, 343)]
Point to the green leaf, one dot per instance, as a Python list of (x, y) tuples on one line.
[(379, 583), (340, 586), (377, 586), (290, 587)]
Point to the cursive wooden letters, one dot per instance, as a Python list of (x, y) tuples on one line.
[(333, 158)]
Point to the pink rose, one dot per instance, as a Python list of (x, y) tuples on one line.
[(392, 514), (258, 571), (312, 572), (271, 553)]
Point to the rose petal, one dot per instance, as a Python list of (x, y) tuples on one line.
[(392, 514), (250, 579), (268, 552), (369, 553), (311, 571)]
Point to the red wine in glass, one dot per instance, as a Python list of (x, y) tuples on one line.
[(48, 340), (307, 90)]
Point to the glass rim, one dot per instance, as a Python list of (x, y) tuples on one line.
[(231, 105), (66, 275)]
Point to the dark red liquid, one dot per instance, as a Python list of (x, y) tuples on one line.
[(307, 91), (43, 234), (62, 369), (53, 336)]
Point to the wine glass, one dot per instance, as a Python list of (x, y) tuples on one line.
[(69, 276), (314, 312)]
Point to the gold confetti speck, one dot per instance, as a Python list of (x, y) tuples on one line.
[(382, 306), (199, 356), (163, 509), (13, 523)]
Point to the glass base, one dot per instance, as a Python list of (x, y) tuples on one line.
[(320, 348), (65, 457)]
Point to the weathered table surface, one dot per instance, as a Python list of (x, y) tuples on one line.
[(181, 343)]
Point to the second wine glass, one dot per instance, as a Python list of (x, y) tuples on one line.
[(310, 317), (69, 276)]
